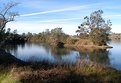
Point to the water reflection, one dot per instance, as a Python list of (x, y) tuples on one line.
[(100, 56), (12, 48), (44, 53), (115, 57), (60, 51), (96, 55)]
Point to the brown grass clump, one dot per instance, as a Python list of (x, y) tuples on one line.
[(78, 43), (82, 72), (83, 42)]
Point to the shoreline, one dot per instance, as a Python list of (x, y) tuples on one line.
[(80, 72), (7, 58), (87, 46)]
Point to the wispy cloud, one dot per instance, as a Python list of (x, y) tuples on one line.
[(74, 18), (58, 10), (58, 20)]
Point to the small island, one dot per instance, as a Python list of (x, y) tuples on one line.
[(92, 33)]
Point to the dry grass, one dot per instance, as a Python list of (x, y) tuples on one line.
[(82, 72), (85, 43)]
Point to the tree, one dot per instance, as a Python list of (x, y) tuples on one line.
[(56, 33), (6, 15), (95, 28)]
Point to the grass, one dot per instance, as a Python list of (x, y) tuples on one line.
[(82, 72), (84, 43), (6, 75), (3, 75)]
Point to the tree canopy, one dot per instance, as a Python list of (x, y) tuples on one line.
[(95, 28)]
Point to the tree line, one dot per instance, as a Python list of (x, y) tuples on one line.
[(94, 28), (6, 16)]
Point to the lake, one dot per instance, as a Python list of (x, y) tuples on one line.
[(31, 52)]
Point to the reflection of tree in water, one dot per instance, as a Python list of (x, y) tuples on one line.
[(100, 56), (12, 47), (84, 55), (96, 55), (46, 47), (8, 48), (59, 51)]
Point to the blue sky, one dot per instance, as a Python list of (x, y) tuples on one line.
[(38, 15)]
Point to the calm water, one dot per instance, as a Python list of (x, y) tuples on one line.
[(115, 55), (44, 53)]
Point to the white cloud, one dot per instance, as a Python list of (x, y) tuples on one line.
[(37, 27), (116, 28)]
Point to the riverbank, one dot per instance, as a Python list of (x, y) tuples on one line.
[(87, 46), (82, 71), (79, 73), (79, 43), (84, 43), (7, 58)]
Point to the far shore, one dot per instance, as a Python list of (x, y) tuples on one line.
[(87, 46)]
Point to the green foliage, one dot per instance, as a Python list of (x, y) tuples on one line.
[(2, 36), (95, 28), (53, 36), (11, 37), (98, 37)]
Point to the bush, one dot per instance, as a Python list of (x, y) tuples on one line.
[(99, 36)]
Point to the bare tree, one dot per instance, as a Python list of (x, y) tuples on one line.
[(6, 15)]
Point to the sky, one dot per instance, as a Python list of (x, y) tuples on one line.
[(38, 15)]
